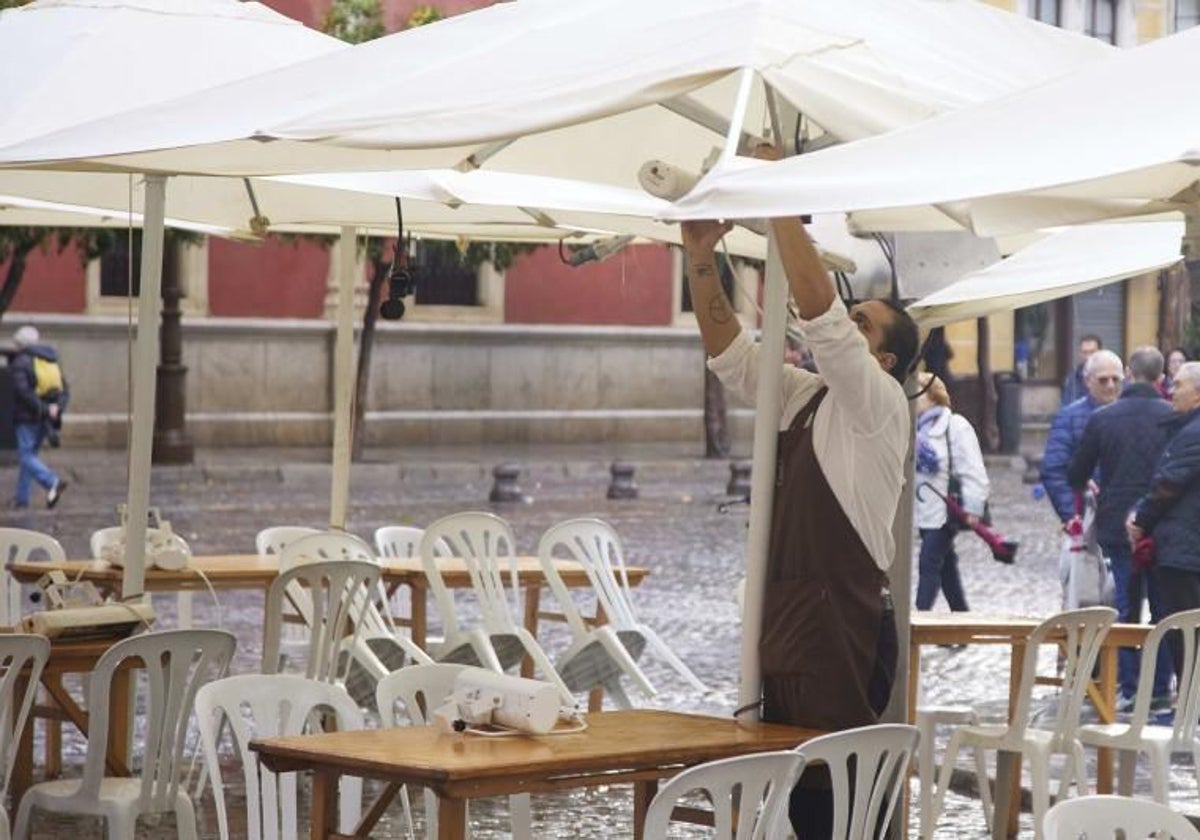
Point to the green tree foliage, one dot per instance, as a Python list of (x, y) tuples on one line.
[(354, 21)]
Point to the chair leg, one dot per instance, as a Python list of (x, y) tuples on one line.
[(1160, 762), (1126, 770), (185, 817), (939, 795), (985, 788), (406, 804), (24, 817), (122, 825), (925, 774), (671, 658), (614, 690), (349, 803), (521, 814), (431, 811), (1039, 783)]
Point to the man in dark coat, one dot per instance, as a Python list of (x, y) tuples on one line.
[(37, 413), (1126, 439), (1170, 510)]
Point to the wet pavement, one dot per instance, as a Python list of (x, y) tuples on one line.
[(695, 555)]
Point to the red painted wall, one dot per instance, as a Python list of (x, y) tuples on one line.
[(53, 282), (633, 287), (277, 279)]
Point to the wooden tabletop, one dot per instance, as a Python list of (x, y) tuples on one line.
[(252, 571), (969, 628), (619, 742)]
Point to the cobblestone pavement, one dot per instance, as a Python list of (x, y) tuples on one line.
[(674, 529)]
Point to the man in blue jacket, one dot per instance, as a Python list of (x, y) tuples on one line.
[(1126, 439), (1170, 509), (1103, 375), (37, 413)]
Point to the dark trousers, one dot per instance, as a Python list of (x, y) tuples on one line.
[(938, 569), (811, 805), (1132, 588), (1180, 590)]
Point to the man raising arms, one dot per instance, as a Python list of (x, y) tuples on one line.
[(828, 638)]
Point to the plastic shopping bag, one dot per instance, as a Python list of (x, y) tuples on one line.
[(1085, 572)]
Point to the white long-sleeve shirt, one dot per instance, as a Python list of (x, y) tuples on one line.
[(944, 430), (861, 431)]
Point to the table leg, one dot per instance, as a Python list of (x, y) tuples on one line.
[(22, 771), (118, 717), (596, 695), (1108, 691), (533, 599), (419, 621), (643, 795), (323, 819), (452, 818)]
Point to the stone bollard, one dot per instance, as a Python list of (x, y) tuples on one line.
[(505, 487), (1033, 469), (622, 485), (739, 479)]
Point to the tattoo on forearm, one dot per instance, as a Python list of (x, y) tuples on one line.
[(719, 310), (705, 270)]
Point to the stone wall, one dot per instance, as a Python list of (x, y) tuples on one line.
[(269, 382)]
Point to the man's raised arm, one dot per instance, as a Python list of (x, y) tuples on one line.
[(718, 323)]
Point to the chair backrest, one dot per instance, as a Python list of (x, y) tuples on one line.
[(593, 544), (336, 594), (175, 664), (1187, 624), (17, 652), (273, 540), (398, 541), (323, 546), (1103, 817), (873, 762), (421, 688), (18, 545), (754, 788), (482, 541), (265, 706), (1078, 634)]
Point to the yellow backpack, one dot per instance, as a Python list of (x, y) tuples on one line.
[(47, 377)]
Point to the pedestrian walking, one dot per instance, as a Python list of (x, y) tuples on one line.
[(1124, 442), (1169, 512), (950, 461), (41, 396)]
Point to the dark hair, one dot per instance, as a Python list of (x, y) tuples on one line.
[(902, 339), (1146, 364), (1092, 337)]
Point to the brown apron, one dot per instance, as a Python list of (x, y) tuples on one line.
[(823, 609)]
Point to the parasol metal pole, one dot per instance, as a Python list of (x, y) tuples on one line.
[(145, 360), (738, 117), (343, 383), (762, 487)]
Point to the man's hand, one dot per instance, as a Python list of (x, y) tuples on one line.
[(971, 520), (700, 237), (766, 151), (1132, 530), (1073, 527), (52, 410)]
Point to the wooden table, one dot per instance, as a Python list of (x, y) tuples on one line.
[(252, 571), (73, 658), (638, 746), (972, 629)]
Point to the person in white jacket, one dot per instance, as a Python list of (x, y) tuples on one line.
[(946, 443)]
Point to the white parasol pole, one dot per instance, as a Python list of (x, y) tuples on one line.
[(343, 382), (145, 361), (762, 486)]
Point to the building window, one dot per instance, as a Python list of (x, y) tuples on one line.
[(1187, 14), (443, 277), (1035, 346), (1100, 19), (116, 278), (1048, 11)]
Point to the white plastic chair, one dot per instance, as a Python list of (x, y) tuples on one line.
[(482, 541), (103, 538), (398, 541), (18, 545), (332, 596), (17, 652), (753, 789), (420, 689), (378, 647), (601, 655), (1157, 742), (1102, 817), (880, 757), (928, 719), (176, 663), (1078, 633), (275, 539), (268, 706)]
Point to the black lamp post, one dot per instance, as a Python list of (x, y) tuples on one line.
[(172, 443)]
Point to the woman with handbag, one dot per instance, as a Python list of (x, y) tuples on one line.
[(948, 458)]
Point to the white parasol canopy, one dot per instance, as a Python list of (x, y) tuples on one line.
[(1064, 263), (1114, 138)]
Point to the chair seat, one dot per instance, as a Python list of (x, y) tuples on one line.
[(1116, 735), (61, 795), (1001, 737)]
